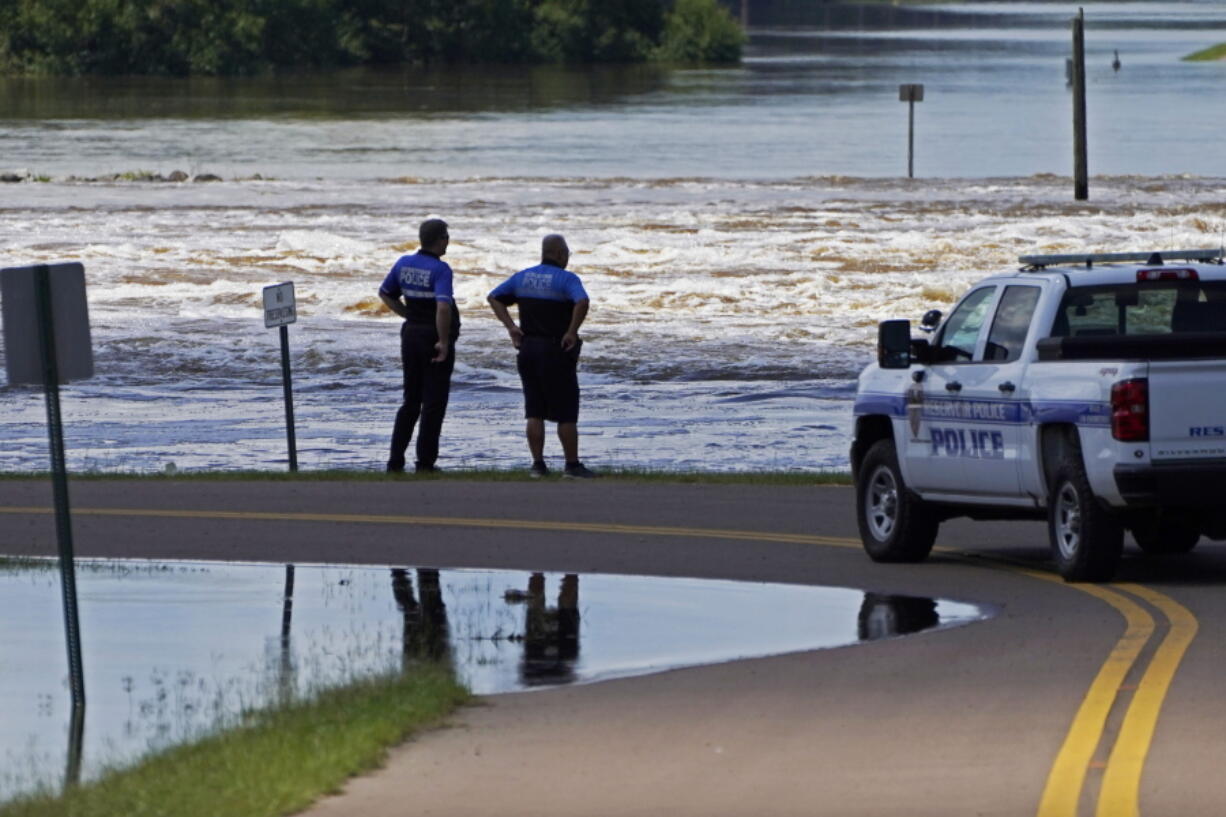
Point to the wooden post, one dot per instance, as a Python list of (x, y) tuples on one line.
[(911, 93), (911, 139), (1081, 183)]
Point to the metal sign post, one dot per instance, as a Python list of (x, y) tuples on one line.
[(911, 93), (280, 309), (46, 335), (1081, 181)]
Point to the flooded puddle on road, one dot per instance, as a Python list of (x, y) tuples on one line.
[(172, 650)]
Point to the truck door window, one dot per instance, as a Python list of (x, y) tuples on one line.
[(1011, 323), (961, 330)]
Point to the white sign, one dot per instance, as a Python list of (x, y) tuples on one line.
[(279, 306), (74, 357)]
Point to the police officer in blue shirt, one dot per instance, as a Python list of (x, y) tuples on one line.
[(552, 306), (418, 289)]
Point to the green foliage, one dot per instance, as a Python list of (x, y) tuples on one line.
[(277, 763), (597, 30), (229, 37), (1211, 54), (701, 31)]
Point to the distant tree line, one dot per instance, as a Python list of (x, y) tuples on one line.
[(238, 37)]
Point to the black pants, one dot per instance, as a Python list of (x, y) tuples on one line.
[(427, 386)]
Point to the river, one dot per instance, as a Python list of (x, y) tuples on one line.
[(741, 230)]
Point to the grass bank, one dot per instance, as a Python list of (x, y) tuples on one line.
[(1211, 54), (279, 762), (464, 475)]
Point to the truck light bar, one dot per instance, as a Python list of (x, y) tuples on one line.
[(1089, 259)]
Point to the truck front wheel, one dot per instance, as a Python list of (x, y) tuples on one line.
[(1086, 540), (895, 525)]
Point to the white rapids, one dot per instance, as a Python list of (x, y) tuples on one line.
[(729, 317)]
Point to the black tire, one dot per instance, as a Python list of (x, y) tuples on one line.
[(1086, 540), (1162, 534), (895, 524)]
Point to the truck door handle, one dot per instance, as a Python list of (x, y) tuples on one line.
[(1007, 387), (953, 385)]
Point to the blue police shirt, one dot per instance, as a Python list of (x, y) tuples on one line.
[(546, 296), (421, 280)]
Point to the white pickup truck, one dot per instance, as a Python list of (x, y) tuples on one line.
[(1089, 390)]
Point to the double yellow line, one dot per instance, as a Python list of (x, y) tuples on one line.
[(1119, 795), (1120, 790), (453, 522)]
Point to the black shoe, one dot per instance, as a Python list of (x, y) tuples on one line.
[(538, 470), (421, 468), (578, 471), (395, 468)]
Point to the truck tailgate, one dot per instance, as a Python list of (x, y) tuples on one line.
[(1187, 409)]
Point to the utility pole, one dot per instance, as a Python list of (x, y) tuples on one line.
[(1081, 183), (744, 13)]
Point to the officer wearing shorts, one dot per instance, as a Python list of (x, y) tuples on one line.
[(552, 305), (419, 289)]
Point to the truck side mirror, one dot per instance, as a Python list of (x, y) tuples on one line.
[(894, 344), (930, 321)]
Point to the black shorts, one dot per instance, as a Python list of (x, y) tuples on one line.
[(551, 379)]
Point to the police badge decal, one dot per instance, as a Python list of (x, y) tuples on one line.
[(915, 408)]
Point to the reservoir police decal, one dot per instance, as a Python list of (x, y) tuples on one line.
[(991, 411), (1207, 431)]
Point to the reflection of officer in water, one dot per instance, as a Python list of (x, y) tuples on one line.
[(882, 616), (425, 622), (551, 635)]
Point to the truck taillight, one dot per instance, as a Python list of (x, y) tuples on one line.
[(1167, 275), (1130, 410)]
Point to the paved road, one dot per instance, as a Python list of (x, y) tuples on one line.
[(1074, 700)]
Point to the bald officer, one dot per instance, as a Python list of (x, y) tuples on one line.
[(418, 289), (552, 305)]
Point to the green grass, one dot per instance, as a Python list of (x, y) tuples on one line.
[(278, 763), (1216, 52), (475, 475), (23, 563), (137, 176)]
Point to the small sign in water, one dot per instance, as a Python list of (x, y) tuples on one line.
[(176, 650), (280, 305)]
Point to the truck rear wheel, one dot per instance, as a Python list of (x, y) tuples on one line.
[(895, 525), (1161, 534), (1086, 540)]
